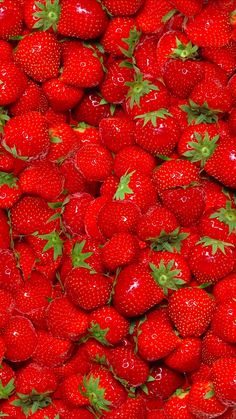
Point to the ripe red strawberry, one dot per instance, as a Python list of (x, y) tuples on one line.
[(86, 289), (10, 190), (157, 132), (109, 187), (124, 7), (74, 211), (165, 382), (40, 379), (61, 96), (108, 326), (114, 87), (72, 391), (203, 402), (4, 231), (191, 319), (223, 322), (94, 162), (175, 173), (26, 136), (7, 378), (63, 141), (133, 158), (33, 99), (118, 217), (8, 408), (116, 133), (166, 46), (223, 373), (10, 277), (20, 339), (122, 249), (42, 178), (225, 289), (222, 57), (211, 260), (11, 19), (85, 20), (186, 357), (137, 372), (13, 83), (136, 291), (6, 307), (145, 56), (216, 95), (213, 348), (215, 196), (188, 7), (210, 28), (86, 134), (130, 409), (50, 412), (151, 16), (51, 351), (115, 39), (92, 109), (73, 180), (176, 407), (38, 54), (6, 51)]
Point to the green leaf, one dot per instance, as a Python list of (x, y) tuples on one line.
[(169, 15), (199, 114), (53, 242), (8, 179), (95, 394), (214, 244), (209, 394), (185, 51), (138, 88), (168, 241), (99, 334), (13, 151), (131, 42), (55, 140), (123, 188), (166, 276), (227, 216), (55, 205), (48, 15), (78, 257), (152, 116), (201, 149), (7, 390)]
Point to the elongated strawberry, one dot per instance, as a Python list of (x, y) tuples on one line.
[(117, 35)]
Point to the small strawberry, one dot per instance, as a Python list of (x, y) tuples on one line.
[(61, 96), (165, 382), (11, 19), (176, 407), (71, 391), (33, 99), (10, 277), (213, 348), (191, 319), (20, 339), (6, 51), (94, 162), (186, 357), (63, 141), (223, 374), (51, 351), (114, 87), (122, 8), (223, 322), (13, 83), (116, 133), (122, 249), (222, 57), (175, 173), (151, 17), (145, 56), (38, 55), (133, 158), (203, 402), (216, 95), (225, 289)]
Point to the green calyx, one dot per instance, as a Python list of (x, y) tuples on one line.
[(13, 152), (199, 114), (8, 179), (227, 216), (169, 15), (201, 149), (181, 393), (214, 244), (170, 242), (7, 390), (162, 113), (3, 118), (184, 52), (167, 277), (138, 89), (123, 187), (95, 394), (53, 242), (131, 42), (31, 403), (78, 257), (48, 15), (99, 334)]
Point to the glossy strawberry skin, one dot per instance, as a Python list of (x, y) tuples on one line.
[(20, 339), (166, 381), (199, 404), (223, 323), (13, 83), (223, 373), (11, 19), (109, 319), (51, 351), (94, 162), (124, 7), (122, 249), (133, 158), (116, 133), (61, 96)]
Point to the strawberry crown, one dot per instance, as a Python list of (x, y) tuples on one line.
[(123, 187), (13, 151), (167, 277), (169, 15), (3, 117), (162, 113), (200, 113), (170, 242), (78, 257), (31, 403), (7, 390), (53, 242), (201, 149), (214, 244), (181, 393), (138, 89), (227, 216), (131, 42), (99, 334), (184, 51), (48, 15), (8, 179), (95, 394)]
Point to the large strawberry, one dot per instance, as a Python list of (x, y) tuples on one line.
[(122, 249), (51, 351), (33, 99), (133, 158), (223, 373), (202, 400)]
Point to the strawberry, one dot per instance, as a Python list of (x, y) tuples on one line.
[(175, 174), (114, 87), (117, 33), (186, 357), (188, 7), (61, 96), (11, 19), (38, 55), (136, 291), (210, 28), (6, 307), (223, 373), (87, 289), (74, 210), (213, 348), (225, 289), (165, 382), (223, 324), (202, 400), (73, 180), (214, 94), (108, 326), (133, 158), (211, 260), (26, 136), (13, 83), (10, 277), (122, 249), (150, 18), (20, 339), (137, 372), (43, 15), (63, 141), (7, 378), (85, 20), (191, 319), (109, 187), (124, 7), (157, 132), (222, 57), (33, 99), (40, 379), (118, 217), (42, 178), (51, 351), (8, 408), (92, 109), (94, 162), (145, 56), (166, 46), (116, 133), (202, 374), (130, 409), (10, 190), (6, 51), (72, 394), (49, 412), (82, 413), (87, 134), (176, 407)]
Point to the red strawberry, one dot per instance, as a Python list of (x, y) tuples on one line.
[(222, 57), (203, 402), (94, 162), (63, 142), (177, 406), (191, 310), (186, 357), (11, 19), (151, 17), (175, 174), (10, 190), (216, 95), (166, 46), (145, 56), (92, 109), (20, 339), (26, 136), (223, 322), (165, 382), (6, 51), (8, 408), (7, 378), (225, 289), (6, 307), (123, 7), (122, 249), (188, 7), (211, 260), (108, 326), (51, 351), (116, 133), (43, 15), (33, 99), (86, 134), (73, 180), (10, 277), (61, 96), (213, 348), (223, 374), (130, 409), (72, 391), (133, 158), (40, 379), (114, 87), (74, 211), (118, 29), (13, 83)]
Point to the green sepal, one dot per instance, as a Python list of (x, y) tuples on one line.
[(8, 179), (99, 334), (55, 140), (95, 54), (3, 117), (31, 403), (184, 52), (139, 88), (7, 390), (13, 152), (55, 205), (131, 41), (3, 415), (215, 244), (48, 15), (201, 149), (200, 114), (166, 277), (53, 242), (170, 242), (162, 113), (123, 188), (209, 394), (95, 394), (227, 216), (169, 15), (78, 257)]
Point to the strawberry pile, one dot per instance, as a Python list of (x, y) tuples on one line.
[(117, 209)]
